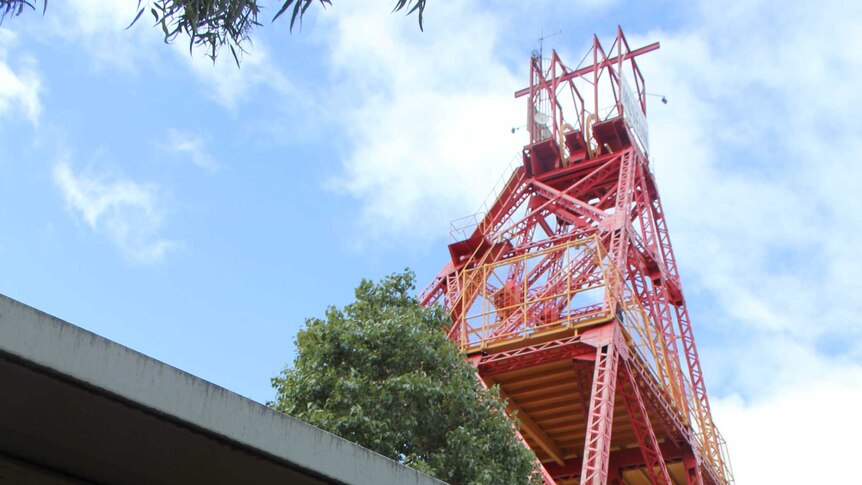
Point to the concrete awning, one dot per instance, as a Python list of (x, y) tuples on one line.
[(78, 408)]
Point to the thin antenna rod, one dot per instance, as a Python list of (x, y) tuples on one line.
[(542, 40)]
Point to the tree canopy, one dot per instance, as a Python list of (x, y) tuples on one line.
[(211, 24), (382, 373)]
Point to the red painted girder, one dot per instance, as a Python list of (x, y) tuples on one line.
[(588, 69), (600, 418), (658, 300), (659, 316), (461, 301), (574, 277), (693, 475), (516, 271), (510, 198), (564, 238), (564, 176), (452, 292), (564, 348), (585, 182), (617, 225), (598, 175), (502, 204), (654, 394), (625, 459), (433, 291), (669, 417), (686, 332), (642, 427), (575, 205)]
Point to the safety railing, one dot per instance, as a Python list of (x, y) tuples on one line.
[(548, 294), (718, 461)]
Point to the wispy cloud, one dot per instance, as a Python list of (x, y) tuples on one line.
[(230, 86), (425, 118), (19, 87), (754, 170), (194, 147), (100, 27), (127, 212), (818, 407), (753, 157)]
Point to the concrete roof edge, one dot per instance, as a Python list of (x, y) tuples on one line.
[(68, 350)]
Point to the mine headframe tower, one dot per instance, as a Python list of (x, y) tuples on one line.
[(566, 294)]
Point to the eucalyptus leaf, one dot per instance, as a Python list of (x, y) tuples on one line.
[(209, 24)]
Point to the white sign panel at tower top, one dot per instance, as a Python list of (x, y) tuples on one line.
[(634, 115)]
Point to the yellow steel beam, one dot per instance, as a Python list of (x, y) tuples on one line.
[(531, 428), (528, 373), (545, 389), (515, 385), (644, 475)]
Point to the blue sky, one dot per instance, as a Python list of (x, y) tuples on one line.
[(199, 213)]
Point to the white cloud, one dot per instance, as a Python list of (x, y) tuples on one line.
[(194, 147), (757, 160), (426, 117), (100, 28), (229, 85), (19, 88), (93, 17), (804, 433), (127, 212), (755, 156)]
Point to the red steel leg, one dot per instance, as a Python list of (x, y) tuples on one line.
[(644, 433), (692, 470), (600, 419)]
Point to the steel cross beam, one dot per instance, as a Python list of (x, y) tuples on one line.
[(567, 348), (511, 197), (624, 459), (606, 63)]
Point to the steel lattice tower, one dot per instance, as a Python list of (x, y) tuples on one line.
[(565, 292)]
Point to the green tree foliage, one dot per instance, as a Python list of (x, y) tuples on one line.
[(211, 24), (381, 372)]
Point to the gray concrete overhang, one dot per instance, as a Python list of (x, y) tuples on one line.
[(78, 408)]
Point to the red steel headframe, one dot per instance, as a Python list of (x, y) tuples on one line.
[(573, 262)]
